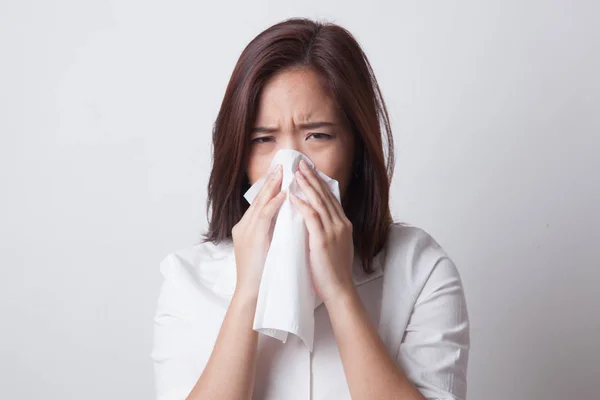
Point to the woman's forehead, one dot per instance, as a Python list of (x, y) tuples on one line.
[(295, 93)]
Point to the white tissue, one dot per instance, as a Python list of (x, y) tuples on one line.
[(286, 298)]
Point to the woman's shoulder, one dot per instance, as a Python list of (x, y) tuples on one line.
[(201, 265), (413, 254), (406, 238)]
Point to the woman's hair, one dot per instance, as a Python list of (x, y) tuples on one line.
[(334, 54)]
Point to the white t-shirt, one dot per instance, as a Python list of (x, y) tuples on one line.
[(414, 299)]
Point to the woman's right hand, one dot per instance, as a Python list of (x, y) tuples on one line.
[(252, 235)]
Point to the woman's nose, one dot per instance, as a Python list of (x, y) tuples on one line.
[(291, 142)]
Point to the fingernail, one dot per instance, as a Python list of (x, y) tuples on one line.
[(303, 164), (299, 175)]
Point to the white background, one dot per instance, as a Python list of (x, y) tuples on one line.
[(106, 110)]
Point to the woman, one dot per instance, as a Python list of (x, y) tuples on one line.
[(402, 332)]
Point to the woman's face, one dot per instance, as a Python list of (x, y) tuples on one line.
[(296, 113)]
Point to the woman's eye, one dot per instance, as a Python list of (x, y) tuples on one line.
[(263, 139), (320, 136)]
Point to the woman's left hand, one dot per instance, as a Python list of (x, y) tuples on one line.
[(330, 235)]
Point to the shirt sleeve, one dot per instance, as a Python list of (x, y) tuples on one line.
[(434, 351), (176, 366)]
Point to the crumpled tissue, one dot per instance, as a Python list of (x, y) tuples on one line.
[(286, 298)]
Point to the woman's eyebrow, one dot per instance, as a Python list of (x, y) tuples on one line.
[(305, 125), (313, 125)]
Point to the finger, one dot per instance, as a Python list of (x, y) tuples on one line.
[(319, 186), (322, 197), (310, 215), (335, 203), (267, 213), (312, 175), (314, 198), (335, 208), (270, 188)]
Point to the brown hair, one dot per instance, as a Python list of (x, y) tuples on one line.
[(335, 55)]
